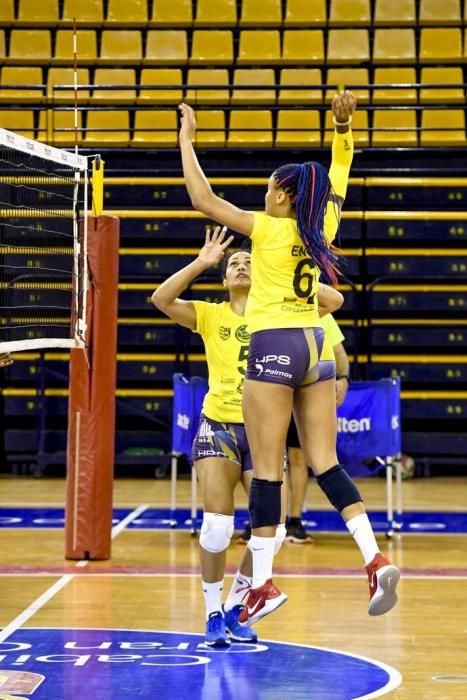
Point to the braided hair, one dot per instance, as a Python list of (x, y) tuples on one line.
[(309, 189)]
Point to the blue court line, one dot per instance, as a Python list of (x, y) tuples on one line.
[(315, 521)]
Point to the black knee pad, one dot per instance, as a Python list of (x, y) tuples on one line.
[(265, 502), (339, 487)]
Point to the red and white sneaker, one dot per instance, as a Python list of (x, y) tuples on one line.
[(383, 578), (260, 602)]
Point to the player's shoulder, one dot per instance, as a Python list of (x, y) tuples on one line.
[(271, 227), (263, 219)]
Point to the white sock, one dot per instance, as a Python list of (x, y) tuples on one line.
[(362, 532), (212, 596), (281, 532), (239, 591), (262, 550)]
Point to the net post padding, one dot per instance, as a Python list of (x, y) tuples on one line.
[(91, 417)]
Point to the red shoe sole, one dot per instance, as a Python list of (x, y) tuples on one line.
[(269, 607)]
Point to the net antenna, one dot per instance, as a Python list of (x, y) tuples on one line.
[(43, 244), (75, 82), (80, 321)]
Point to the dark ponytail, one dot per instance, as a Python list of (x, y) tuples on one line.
[(309, 188)]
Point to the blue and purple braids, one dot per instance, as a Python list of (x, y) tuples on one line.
[(309, 188)]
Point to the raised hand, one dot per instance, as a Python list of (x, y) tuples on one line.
[(214, 247), (188, 127), (343, 106)]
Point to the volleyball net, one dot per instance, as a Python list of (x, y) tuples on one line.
[(43, 240), (58, 289)]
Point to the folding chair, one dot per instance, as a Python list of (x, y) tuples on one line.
[(369, 426), (187, 402)]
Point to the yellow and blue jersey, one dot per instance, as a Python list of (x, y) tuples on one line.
[(226, 340), (285, 279)]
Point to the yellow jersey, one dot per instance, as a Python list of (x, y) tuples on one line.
[(226, 340), (333, 333), (284, 285)]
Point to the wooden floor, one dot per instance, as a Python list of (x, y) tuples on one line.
[(151, 583)]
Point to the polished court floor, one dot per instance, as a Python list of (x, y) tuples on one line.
[(100, 624)]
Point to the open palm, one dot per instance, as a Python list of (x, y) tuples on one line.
[(215, 245)]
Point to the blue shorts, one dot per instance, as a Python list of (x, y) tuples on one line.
[(291, 356), (224, 440)]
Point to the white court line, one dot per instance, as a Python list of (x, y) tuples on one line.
[(117, 529), (62, 582), (34, 607)]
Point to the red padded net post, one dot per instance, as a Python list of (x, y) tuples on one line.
[(91, 410)]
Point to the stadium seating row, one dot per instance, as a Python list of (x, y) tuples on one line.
[(224, 12), (247, 128), (387, 336), (402, 300), (157, 263), (375, 227), (219, 47), (158, 368), (168, 84), (391, 227), (161, 205)]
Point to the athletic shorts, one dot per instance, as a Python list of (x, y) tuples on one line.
[(292, 356), (224, 440)]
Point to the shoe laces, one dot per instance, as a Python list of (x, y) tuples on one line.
[(246, 588)]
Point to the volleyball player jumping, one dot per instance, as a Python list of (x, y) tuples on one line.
[(290, 365)]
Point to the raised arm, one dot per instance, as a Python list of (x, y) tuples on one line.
[(343, 106), (165, 297), (329, 299), (202, 197)]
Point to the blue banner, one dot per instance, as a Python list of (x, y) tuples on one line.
[(188, 400), (369, 420)]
